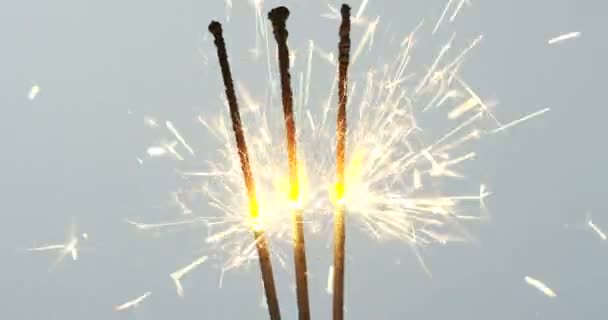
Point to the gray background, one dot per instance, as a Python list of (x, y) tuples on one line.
[(70, 155)]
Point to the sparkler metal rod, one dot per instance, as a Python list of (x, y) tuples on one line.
[(264, 256), (278, 16), (339, 219)]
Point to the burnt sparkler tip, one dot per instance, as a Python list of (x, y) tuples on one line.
[(345, 10), (278, 14), (215, 28)]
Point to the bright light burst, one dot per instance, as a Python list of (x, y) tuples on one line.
[(413, 124)]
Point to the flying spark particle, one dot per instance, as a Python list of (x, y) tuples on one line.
[(70, 247), (520, 120), (564, 37), (179, 274), (330, 280), (541, 287), (34, 91), (150, 122), (596, 229), (458, 8), (132, 303), (179, 137)]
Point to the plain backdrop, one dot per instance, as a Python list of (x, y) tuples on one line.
[(69, 157)]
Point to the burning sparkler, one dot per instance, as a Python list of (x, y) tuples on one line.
[(263, 253), (279, 16), (339, 223)]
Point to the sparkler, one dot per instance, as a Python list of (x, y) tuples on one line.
[(279, 16), (339, 227), (264, 256)]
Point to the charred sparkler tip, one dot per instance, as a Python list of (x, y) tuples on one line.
[(344, 45), (216, 29), (345, 11), (278, 15)]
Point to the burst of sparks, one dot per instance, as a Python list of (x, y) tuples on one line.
[(411, 134), (131, 304), (540, 286), (564, 37)]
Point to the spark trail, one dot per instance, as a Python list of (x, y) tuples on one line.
[(540, 286), (564, 37), (132, 304)]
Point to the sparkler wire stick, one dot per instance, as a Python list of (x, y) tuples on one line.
[(339, 227), (278, 16), (264, 256)]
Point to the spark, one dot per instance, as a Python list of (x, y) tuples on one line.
[(132, 303), (179, 274), (367, 39), (162, 225), (330, 280), (70, 247), (458, 8), (596, 229), (361, 9), (564, 37), (33, 93), (520, 120), (150, 122), (183, 207), (447, 7), (541, 287), (443, 14), (179, 137), (163, 149)]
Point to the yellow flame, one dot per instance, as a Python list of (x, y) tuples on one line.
[(282, 188), (352, 174)]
